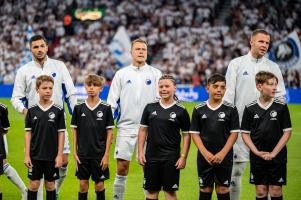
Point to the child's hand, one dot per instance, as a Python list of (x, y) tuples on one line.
[(141, 159), (27, 162), (218, 158), (77, 161), (262, 154), (104, 162), (58, 161), (208, 156), (269, 156), (181, 163)]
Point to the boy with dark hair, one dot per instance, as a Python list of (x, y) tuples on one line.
[(92, 123), (214, 129), (44, 140), (266, 128)]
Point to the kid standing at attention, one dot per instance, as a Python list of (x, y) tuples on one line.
[(214, 129), (266, 128), (161, 124), (92, 123), (44, 140)]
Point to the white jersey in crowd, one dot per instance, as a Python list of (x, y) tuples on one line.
[(241, 90), (25, 84), (131, 89)]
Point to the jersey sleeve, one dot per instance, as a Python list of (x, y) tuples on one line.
[(61, 125), (194, 126), (68, 89), (114, 95), (185, 122), (28, 122), (234, 121), (18, 95), (74, 118), (231, 83), (285, 119), (246, 121), (110, 120), (4, 119), (145, 117)]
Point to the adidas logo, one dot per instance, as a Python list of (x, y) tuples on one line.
[(226, 182), (175, 186), (35, 117), (116, 196), (245, 73), (280, 180), (204, 116), (154, 113), (83, 115), (102, 177), (256, 116)]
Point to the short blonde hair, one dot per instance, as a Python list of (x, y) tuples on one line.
[(138, 40), (95, 80)]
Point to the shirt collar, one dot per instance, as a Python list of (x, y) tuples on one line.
[(138, 68), (256, 60), (38, 64)]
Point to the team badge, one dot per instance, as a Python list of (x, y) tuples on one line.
[(53, 74), (51, 115), (221, 116), (173, 115), (273, 115), (99, 115), (148, 81)]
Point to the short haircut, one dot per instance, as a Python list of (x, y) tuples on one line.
[(257, 31), (138, 40), (168, 77), (95, 80), (216, 78), (264, 76), (36, 38), (43, 78)]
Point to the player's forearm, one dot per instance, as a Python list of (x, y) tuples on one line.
[(186, 144), (282, 142), (229, 144), (199, 143), (61, 143), (109, 141), (246, 138), (74, 132), (141, 139), (27, 143)]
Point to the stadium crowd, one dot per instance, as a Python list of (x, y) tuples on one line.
[(184, 37)]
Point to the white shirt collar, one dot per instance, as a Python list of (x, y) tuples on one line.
[(94, 106), (217, 107)]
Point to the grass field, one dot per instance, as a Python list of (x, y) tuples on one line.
[(188, 181)]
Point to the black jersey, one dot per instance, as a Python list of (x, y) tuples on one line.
[(4, 126), (164, 125), (44, 125), (266, 126), (91, 125), (214, 125)]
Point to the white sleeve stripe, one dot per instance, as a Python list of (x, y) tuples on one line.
[(194, 132), (6, 128), (61, 130), (185, 131), (109, 127), (287, 129), (235, 130), (244, 131), (142, 125), (27, 129), (73, 126)]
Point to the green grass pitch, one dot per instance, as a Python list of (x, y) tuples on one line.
[(188, 179)]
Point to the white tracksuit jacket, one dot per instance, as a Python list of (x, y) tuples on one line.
[(25, 84), (241, 90), (131, 89)]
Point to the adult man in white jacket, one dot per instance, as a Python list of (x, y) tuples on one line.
[(25, 95), (241, 90), (132, 88)]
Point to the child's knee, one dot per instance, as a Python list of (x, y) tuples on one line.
[(34, 185), (261, 190), (222, 189), (206, 189), (99, 186), (83, 186), (275, 191), (49, 185)]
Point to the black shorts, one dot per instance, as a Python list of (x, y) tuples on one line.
[(40, 168), (158, 174), (268, 174), (2, 147), (210, 174), (91, 167)]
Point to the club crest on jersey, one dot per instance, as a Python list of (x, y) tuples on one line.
[(273, 115), (53, 74), (51, 116), (148, 81), (221, 116), (172, 116), (99, 115)]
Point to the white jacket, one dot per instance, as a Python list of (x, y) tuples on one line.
[(131, 89), (241, 89), (24, 93)]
